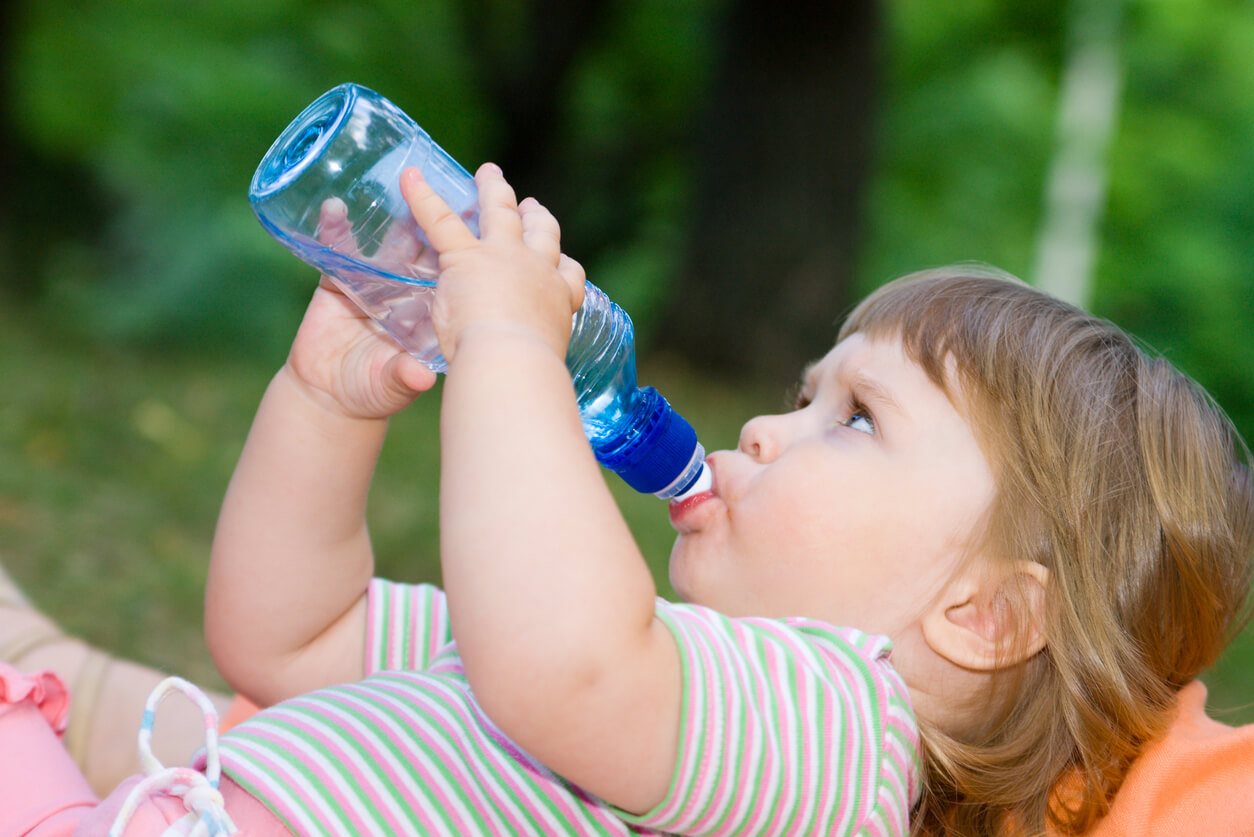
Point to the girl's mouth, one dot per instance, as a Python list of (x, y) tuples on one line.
[(682, 509)]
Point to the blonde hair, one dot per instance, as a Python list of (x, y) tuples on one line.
[(1124, 479)]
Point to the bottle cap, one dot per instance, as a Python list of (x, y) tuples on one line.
[(657, 452)]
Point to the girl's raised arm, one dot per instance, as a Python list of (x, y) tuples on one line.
[(550, 600), (285, 605)]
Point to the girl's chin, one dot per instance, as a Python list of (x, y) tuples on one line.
[(680, 582), (692, 571)]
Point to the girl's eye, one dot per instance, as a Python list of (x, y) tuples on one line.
[(861, 420)]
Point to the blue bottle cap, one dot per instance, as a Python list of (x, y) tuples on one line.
[(656, 452)]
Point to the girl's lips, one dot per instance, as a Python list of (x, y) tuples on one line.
[(680, 510)]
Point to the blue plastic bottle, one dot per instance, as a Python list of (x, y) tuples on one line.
[(343, 155)]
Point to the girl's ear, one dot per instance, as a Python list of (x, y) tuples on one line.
[(985, 622)]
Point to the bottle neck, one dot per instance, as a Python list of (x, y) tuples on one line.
[(655, 451)]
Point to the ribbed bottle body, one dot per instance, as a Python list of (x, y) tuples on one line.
[(601, 358)]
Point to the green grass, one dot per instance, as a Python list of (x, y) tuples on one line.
[(113, 464)]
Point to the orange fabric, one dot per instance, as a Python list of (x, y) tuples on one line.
[(240, 710), (1196, 780)]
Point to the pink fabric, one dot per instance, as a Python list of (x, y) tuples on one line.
[(42, 791), (43, 688), (44, 794)]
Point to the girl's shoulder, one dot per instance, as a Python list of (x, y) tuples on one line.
[(804, 640), (824, 698), (1194, 780)]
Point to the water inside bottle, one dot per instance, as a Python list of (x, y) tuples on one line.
[(403, 309), (604, 412)]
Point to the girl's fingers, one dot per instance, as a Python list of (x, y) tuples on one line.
[(334, 228), (445, 230), (400, 246), (573, 272), (498, 205), (540, 230), (409, 376)]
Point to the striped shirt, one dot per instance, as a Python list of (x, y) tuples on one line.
[(789, 726)]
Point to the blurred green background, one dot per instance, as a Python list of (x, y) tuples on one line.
[(735, 173)]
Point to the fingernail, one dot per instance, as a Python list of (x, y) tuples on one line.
[(493, 167)]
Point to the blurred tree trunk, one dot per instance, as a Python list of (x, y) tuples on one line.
[(784, 151), (8, 143), (526, 51), (49, 200)]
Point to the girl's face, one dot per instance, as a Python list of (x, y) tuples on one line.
[(853, 508)]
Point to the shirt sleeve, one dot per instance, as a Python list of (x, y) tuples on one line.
[(407, 626), (788, 727)]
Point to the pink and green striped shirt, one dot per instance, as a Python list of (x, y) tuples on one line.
[(789, 727)]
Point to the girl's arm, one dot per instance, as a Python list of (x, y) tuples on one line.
[(285, 604), (550, 600)]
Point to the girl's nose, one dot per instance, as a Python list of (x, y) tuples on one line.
[(760, 438)]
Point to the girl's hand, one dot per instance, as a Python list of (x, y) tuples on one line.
[(514, 279), (342, 359)]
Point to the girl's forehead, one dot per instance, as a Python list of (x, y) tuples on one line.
[(857, 350), (875, 368), (883, 358)]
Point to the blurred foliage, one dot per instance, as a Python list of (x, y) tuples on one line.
[(139, 126), (164, 111), (160, 115), (966, 134), (154, 305)]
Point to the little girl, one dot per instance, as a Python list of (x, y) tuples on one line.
[(955, 590)]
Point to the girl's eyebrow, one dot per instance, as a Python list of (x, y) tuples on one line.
[(863, 384), (873, 391)]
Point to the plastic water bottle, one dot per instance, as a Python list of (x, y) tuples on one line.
[(329, 191)]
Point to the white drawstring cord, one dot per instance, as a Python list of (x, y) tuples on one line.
[(199, 791)]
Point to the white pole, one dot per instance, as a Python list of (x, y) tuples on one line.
[(1075, 192)]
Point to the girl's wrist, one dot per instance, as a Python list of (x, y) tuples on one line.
[(318, 404), (508, 333)]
